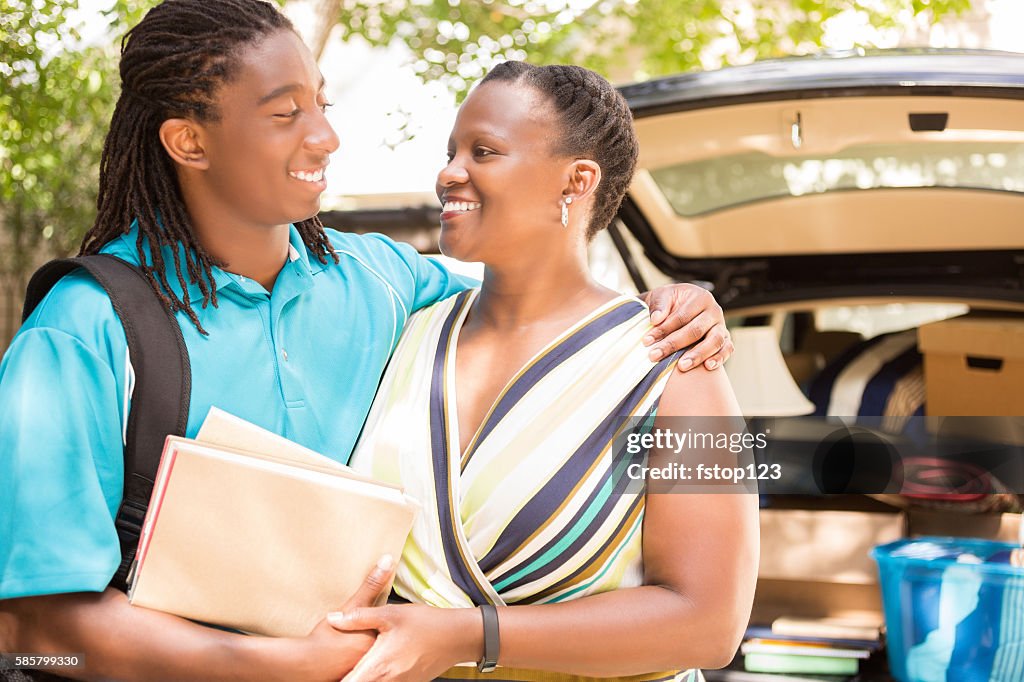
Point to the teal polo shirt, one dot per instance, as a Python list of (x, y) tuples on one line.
[(303, 361)]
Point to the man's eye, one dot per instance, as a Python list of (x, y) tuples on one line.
[(325, 105), (481, 151), (450, 156)]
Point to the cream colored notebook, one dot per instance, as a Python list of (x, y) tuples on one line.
[(264, 542)]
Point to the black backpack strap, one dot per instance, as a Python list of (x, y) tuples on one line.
[(163, 381)]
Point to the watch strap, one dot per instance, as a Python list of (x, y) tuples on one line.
[(491, 640)]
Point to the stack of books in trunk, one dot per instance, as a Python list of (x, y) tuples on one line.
[(809, 646)]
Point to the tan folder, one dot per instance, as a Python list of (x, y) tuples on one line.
[(265, 543)]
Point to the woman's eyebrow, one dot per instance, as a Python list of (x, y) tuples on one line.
[(478, 133)]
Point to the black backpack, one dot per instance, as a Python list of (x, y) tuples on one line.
[(163, 381)]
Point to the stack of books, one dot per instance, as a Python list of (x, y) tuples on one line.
[(809, 646), (250, 531)]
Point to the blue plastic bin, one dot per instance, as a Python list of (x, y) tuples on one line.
[(954, 610)]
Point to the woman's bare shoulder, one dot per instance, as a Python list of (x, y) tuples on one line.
[(699, 392)]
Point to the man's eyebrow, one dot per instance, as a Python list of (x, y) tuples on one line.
[(285, 89)]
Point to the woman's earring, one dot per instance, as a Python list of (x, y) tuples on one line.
[(565, 211)]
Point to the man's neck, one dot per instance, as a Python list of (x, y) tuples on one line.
[(255, 252), (251, 250), (258, 254)]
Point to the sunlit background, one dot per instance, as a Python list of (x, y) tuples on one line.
[(396, 69)]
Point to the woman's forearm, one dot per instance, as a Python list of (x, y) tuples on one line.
[(623, 632)]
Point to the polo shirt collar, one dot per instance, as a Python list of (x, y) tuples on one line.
[(124, 247)]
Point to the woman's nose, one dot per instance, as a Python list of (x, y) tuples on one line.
[(454, 173)]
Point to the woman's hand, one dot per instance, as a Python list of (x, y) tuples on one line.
[(414, 642), (683, 314)]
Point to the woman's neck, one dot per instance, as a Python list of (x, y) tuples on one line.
[(514, 298)]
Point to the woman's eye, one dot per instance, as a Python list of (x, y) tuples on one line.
[(325, 105), (291, 114)]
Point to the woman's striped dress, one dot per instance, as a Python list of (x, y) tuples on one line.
[(533, 512)]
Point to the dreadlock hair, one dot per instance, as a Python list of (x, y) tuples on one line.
[(595, 122), (172, 64)]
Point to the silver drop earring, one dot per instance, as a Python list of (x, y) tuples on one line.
[(565, 211)]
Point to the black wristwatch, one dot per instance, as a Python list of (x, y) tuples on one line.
[(489, 661)]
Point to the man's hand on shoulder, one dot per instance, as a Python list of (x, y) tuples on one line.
[(687, 315)]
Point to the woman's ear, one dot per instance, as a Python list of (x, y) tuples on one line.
[(183, 141), (584, 177)]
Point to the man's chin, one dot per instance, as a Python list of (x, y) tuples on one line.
[(307, 213)]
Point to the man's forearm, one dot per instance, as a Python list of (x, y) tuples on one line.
[(121, 642)]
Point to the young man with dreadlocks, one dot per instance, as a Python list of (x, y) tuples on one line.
[(210, 182)]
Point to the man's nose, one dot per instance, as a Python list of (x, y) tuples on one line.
[(321, 136)]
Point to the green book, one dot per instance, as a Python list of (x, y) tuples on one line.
[(792, 663)]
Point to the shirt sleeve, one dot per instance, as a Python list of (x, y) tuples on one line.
[(418, 281), (61, 451)]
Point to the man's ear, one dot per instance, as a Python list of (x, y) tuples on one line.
[(182, 139), (584, 177)]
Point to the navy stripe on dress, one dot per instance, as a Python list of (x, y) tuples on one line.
[(460, 573), (550, 361)]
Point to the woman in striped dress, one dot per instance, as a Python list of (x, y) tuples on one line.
[(500, 411)]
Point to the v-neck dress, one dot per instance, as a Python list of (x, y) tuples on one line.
[(536, 510)]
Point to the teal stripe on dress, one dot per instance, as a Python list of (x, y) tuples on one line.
[(564, 541), (580, 588)]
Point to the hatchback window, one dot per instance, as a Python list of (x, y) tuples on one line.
[(699, 187), (871, 320)]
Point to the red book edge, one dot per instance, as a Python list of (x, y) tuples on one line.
[(163, 475)]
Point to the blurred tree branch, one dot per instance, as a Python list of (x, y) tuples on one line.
[(457, 41)]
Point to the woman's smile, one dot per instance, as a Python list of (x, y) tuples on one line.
[(456, 207)]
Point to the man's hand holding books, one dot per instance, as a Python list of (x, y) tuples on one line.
[(323, 654)]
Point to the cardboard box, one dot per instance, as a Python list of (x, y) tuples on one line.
[(816, 564), (974, 366), (815, 599), (824, 546), (1002, 527)]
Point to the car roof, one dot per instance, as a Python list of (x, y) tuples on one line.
[(851, 73)]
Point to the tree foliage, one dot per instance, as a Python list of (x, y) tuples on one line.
[(56, 96), (458, 40)]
